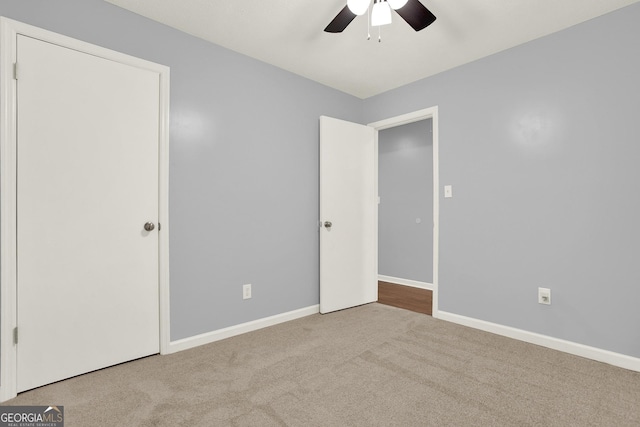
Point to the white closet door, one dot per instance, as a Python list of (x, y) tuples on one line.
[(87, 270)]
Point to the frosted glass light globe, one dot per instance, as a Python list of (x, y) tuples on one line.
[(381, 14), (359, 7), (397, 4)]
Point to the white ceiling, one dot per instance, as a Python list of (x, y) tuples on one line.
[(289, 34)]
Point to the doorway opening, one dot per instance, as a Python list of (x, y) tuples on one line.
[(407, 246)]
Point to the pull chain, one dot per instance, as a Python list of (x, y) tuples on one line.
[(369, 23)]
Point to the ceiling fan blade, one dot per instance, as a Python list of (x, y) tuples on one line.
[(416, 15), (341, 21)]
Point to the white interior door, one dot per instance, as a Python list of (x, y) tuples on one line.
[(87, 182), (348, 203)]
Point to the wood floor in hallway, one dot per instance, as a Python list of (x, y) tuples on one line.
[(407, 297)]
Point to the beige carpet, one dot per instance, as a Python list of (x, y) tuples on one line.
[(373, 365)]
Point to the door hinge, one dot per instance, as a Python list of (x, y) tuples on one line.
[(15, 335), (15, 71)]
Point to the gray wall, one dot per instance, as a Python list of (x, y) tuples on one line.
[(243, 165), (405, 186), (541, 144)]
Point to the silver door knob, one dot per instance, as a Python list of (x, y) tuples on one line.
[(327, 224), (149, 226)]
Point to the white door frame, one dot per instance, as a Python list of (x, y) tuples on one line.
[(9, 30), (404, 119)]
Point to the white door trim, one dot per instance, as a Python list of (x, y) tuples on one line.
[(427, 113), (9, 30)]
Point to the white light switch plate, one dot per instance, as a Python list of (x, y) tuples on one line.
[(448, 191)]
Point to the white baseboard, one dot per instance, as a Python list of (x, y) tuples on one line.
[(220, 334), (406, 282), (593, 353)]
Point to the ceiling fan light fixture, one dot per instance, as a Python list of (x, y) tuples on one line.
[(397, 4), (381, 14), (358, 7)]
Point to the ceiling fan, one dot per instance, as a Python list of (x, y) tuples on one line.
[(412, 11)]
